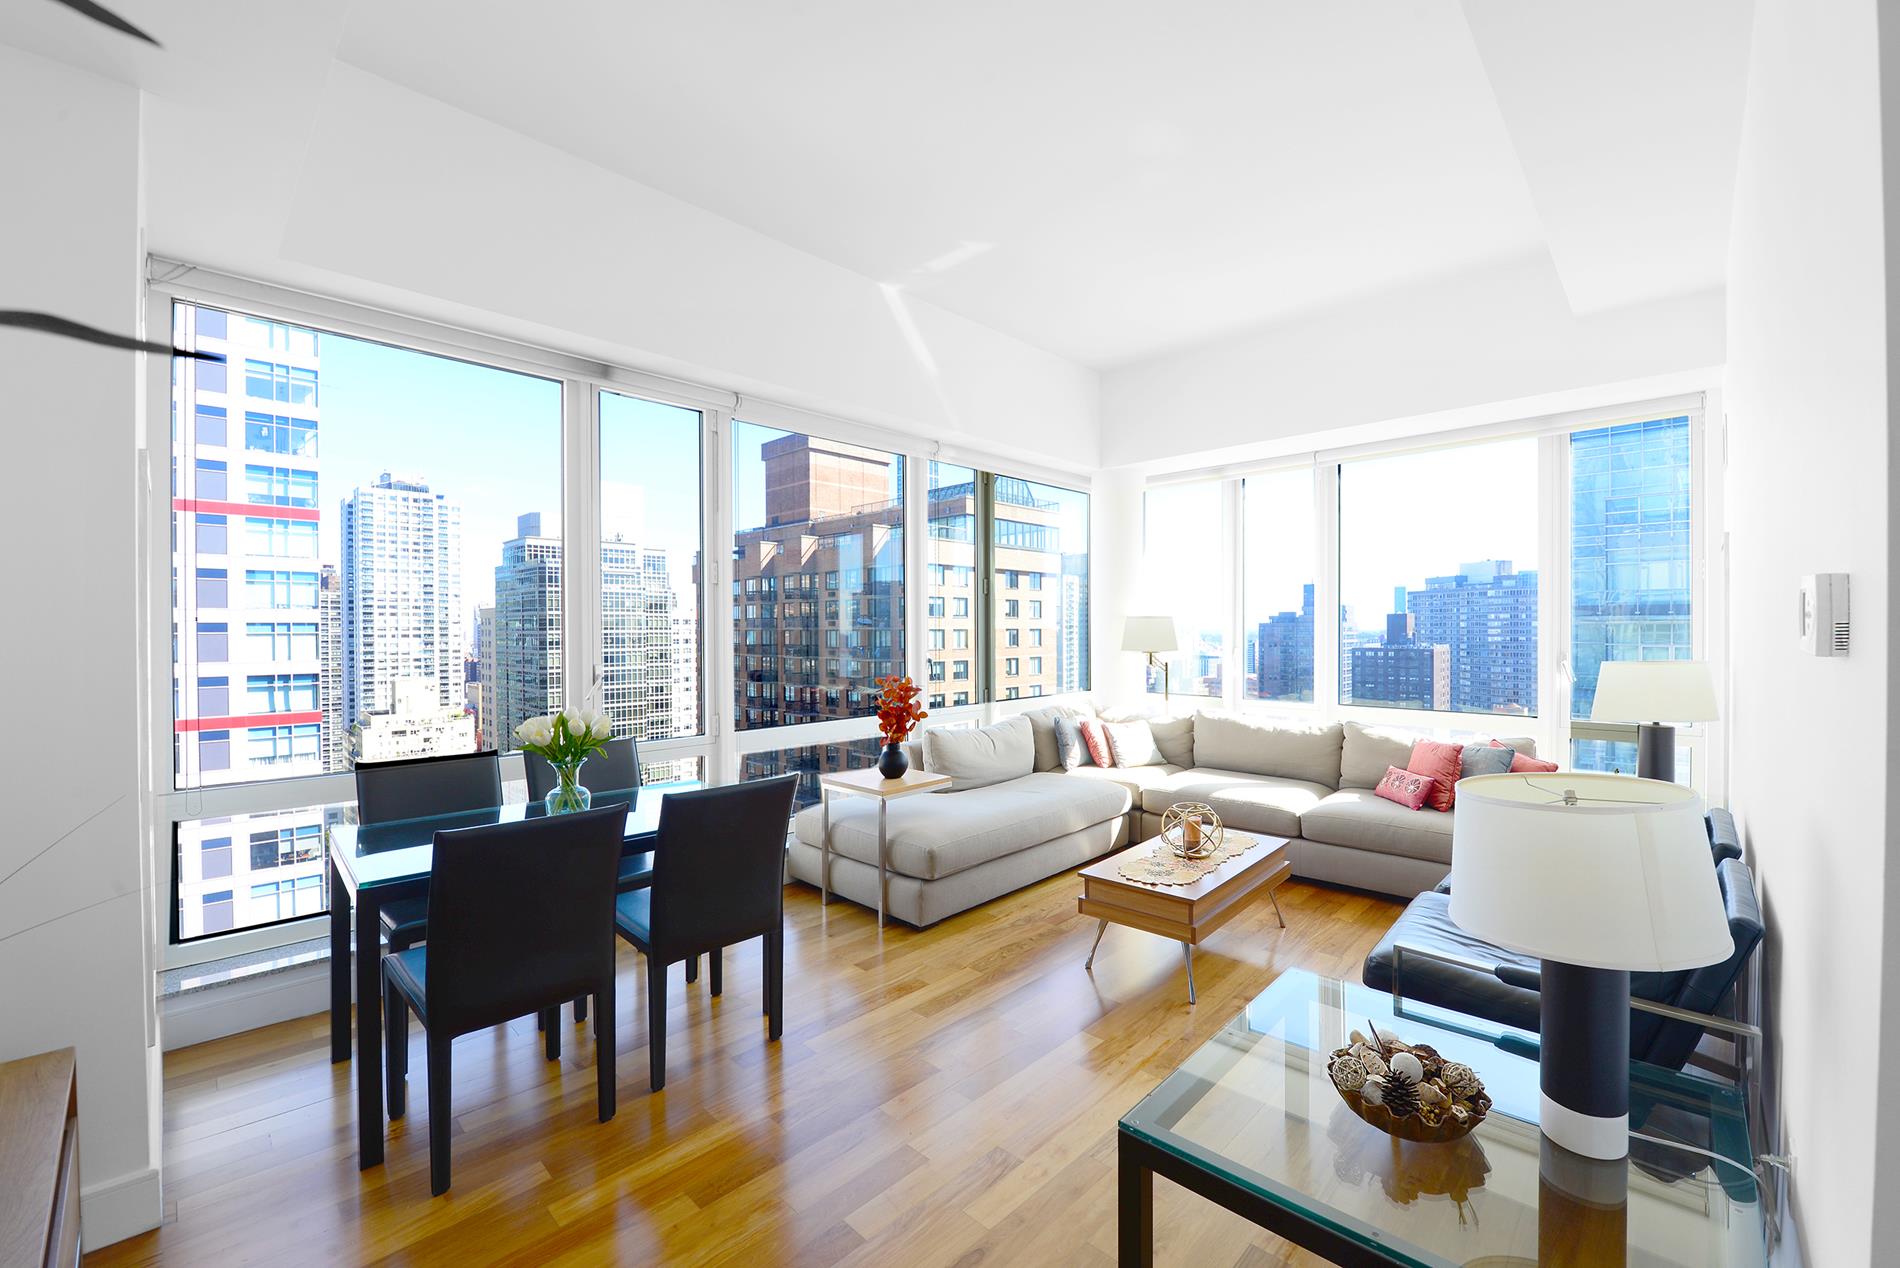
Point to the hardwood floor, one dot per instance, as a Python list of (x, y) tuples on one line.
[(946, 1096)]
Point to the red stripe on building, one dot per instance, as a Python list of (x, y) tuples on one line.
[(248, 720), (258, 509)]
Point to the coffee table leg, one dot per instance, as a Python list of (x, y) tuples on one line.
[(1187, 950), (882, 896), (1135, 1209), (1101, 927), (824, 846), (1276, 908)]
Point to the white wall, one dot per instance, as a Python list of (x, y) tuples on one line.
[(367, 191), (1809, 490), (1491, 334), (75, 928)]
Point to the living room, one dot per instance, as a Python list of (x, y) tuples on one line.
[(1121, 523)]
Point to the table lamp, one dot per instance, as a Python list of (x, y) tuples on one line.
[(1597, 876), (1151, 634), (1655, 693)]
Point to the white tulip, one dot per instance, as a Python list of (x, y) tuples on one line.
[(603, 728), (572, 717)]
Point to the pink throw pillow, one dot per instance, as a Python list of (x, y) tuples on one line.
[(1095, 735), (1405, 787), (1521, 763), (1441, 763)]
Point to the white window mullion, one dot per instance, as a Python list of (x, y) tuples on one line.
[(1326, 589), (717, 672), (1233, 674), (580, 546), (1553, 598)]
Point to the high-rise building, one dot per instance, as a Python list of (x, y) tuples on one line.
[(1402, 670), (1486, 613), (1283, 656), (640, 687), (250, 660), (484, 685), (402, 595), (335, 736), (416, 723)]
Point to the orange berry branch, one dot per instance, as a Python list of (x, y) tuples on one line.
[(898, 712)]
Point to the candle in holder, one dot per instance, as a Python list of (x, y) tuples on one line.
[(1191, 832)]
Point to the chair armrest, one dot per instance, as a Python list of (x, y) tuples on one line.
[(1529, 980)]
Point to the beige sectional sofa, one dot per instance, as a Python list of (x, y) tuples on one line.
[(1014, 816)]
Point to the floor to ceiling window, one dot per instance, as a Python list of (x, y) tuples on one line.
[(1438, 579), (1277, 583), (650, 680), (1184, 575), (953, 597), (1039, 589)]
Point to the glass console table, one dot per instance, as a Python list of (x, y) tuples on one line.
[(1252, 1122)]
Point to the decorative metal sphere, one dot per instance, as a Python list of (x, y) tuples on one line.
[(1191, 829)]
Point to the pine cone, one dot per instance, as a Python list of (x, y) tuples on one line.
[(1401, 1096)]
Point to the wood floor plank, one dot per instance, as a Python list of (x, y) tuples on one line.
[(940, 1096)]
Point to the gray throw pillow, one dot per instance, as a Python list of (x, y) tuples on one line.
[(1071, 751), (1484, 759)]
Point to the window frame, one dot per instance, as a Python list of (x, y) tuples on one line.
[(1553, 727), (720, 747)]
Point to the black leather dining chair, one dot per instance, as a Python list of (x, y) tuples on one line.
[(718, 879), (522, 918), (414, 789)]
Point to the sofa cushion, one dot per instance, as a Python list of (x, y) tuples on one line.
[(1248, 802), (1135, 780), (1367, 751), (1363, 820), (1071, 750), (975, 757), (1258, 747), (1133, 744), (1042, 725), (931, 837), (1173, 736)]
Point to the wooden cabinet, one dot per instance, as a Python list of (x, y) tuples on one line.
[(39, 1163)]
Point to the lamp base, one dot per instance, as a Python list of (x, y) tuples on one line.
[(1584, 1058), (1656, 752)]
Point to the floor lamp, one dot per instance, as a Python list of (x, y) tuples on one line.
[(1597, 876), (1656, 694), (1150, 635)]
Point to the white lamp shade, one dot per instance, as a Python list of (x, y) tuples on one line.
[(1149, 634), (1623, 879), (1654, 691)]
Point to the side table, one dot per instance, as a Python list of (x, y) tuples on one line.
[(868, 783)]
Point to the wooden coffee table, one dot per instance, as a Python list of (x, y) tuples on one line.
[(1186, 913)]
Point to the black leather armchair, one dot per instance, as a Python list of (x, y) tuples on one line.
[(1427, 959)]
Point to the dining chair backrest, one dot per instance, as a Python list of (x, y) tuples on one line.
[(521, 915), (427, 786), (718, 865), (615, 770)]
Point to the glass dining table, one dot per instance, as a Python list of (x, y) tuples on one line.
[(381, 863)]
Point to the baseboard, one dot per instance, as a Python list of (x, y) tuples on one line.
[(116, 1209), (244, 1005)]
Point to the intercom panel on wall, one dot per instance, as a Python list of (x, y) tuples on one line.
[(1824, 614)]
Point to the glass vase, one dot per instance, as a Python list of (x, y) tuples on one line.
[(568, 793)]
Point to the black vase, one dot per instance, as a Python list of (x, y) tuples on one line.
[(893, 761)]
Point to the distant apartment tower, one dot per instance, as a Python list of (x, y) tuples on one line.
[(249, 649), (484, 684), (1283, 653), (402, 595), (1401, 671), (335, 736), (415, 724), (1486, 613), (639, 687), (1072, 666)]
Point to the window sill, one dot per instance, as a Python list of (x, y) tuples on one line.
[(233, 970)]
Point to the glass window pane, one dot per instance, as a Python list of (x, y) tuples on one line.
[(818, 552), (1277, 584), (950, 565), (1041, 548), (361, 574), (1435, 610), (649, 559), (1182, 576), (248, 870), (809, 761), (1631, 576)]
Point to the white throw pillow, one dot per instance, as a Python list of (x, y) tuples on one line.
[(1133, 743), (975, 757)]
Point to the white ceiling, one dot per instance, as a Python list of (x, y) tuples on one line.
[(1101, 178)]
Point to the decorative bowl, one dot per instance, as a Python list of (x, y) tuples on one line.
[(1433, 1122)]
